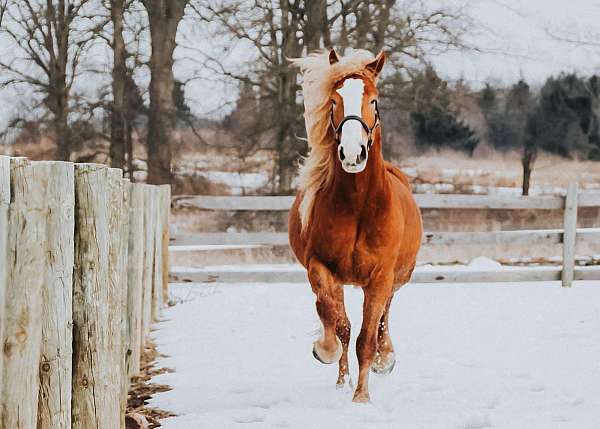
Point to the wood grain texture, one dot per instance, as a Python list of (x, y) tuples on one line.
[(517, 274), (526, 237), (123, 288), (149, 210), (95, 403), (23, 316), (157, 265), (4, 203), (424, 201), (135, 273), (570, 235), (165, 213), (116, 293), (55, 361)]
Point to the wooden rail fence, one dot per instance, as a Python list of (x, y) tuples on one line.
[(82, 276), (570, 237)]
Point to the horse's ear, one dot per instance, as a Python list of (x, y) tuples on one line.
[(377, 64), (333, 57)]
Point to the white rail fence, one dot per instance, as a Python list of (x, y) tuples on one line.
[(570, 236), (83, 272)]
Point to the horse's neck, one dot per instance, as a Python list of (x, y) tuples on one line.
[(358, 188)]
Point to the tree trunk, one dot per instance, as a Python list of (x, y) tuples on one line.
[(527, 160), (316, 24), (287, 143), (62, 132), (164, 18), (383, 22), (119, 78)]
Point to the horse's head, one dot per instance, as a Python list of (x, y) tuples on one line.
[(355, 115)]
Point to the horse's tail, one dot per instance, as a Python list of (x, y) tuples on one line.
[(395, 171)]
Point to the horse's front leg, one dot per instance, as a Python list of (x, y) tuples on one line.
[(343, 333), (377, 294), (385, 359), (328, 349)]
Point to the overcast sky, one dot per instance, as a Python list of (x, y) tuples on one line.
[(513, 37), (516, 40)]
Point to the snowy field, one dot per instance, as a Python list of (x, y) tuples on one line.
[(468, 357)]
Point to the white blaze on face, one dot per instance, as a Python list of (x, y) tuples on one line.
[(352, 149)]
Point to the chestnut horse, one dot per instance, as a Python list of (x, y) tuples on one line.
[(354, 220)]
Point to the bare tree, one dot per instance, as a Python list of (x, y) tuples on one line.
[(164, 17), (277, 30), (49, 39), (271, 31)]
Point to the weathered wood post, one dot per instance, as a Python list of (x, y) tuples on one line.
[(123, 260), (165, 212), (157, 277), (149, 209), (23, 316), (135, 281), (569, 235), (55, 361), (4, 203), (117, 287), (96, 392)]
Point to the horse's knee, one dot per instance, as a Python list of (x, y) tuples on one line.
[(326, 307)]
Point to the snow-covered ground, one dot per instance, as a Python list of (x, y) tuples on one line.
[(468, 356)]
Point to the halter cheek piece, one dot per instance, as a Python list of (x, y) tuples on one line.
[(337, 130)]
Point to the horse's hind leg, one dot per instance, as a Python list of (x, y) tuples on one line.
[(342, 330), (385, 359), (377, 294), (328, 349)]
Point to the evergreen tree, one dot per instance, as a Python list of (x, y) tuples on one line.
[(432, 120)]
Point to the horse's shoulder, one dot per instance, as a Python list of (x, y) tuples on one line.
[(397, 173)]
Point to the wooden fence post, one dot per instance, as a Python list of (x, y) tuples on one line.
[(23, 316), (123, 260), (135, 272), (569, 235), (4, 203), (55, 361), (149, 205), (157, 277), (117, 288), (165, 212), (95, 402)]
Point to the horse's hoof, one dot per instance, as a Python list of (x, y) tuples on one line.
[(383, 366), (326, 357), (341, 383), (361, 397)]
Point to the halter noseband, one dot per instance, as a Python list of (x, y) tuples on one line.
[(337, 130)]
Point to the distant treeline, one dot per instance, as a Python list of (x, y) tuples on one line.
[(561, 118)]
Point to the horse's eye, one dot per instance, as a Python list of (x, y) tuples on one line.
[(333, 102), (373, 101)]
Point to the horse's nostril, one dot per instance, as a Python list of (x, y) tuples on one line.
[(363, 152), (342, 156)]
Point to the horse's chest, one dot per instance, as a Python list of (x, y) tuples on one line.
[(350, 248)]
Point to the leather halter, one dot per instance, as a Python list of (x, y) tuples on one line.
[(337, 130)]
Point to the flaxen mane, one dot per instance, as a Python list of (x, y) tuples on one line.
[(320, 78)]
